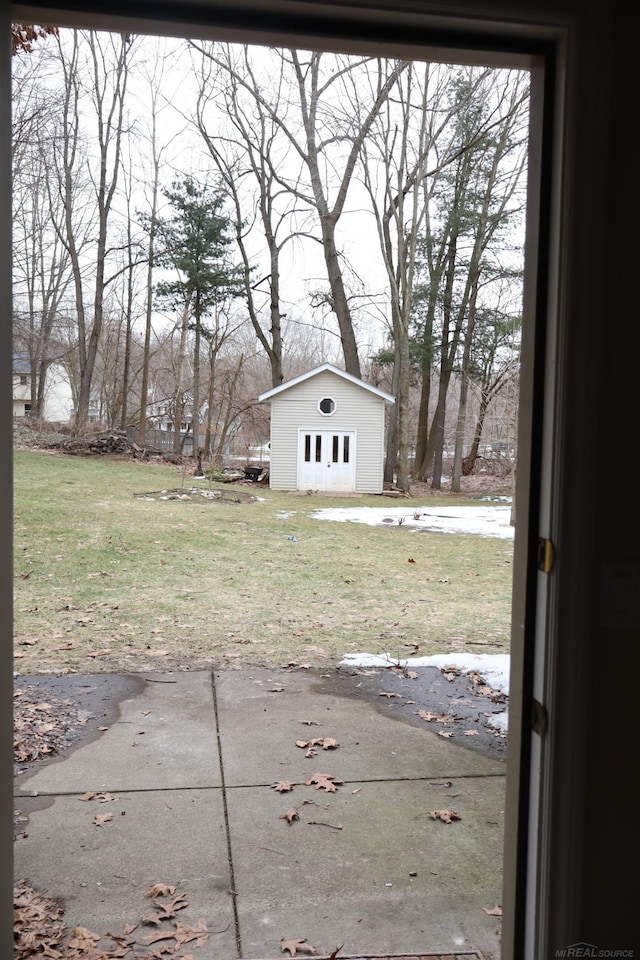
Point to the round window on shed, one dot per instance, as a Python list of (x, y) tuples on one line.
[(327, 406)]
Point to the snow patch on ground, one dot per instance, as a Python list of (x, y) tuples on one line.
[(493, 668), (479, 521)]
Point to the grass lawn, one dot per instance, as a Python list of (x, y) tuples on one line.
[(106, 581)]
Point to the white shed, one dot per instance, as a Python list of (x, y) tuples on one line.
[(327, 433)]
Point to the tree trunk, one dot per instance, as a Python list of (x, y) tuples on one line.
[(178, 405), (339, 300), (195, 415), (110, 127), (456, 475), (126, 364), (469, 462), (392, 432)]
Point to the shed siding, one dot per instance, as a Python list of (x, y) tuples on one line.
[(356, 409)]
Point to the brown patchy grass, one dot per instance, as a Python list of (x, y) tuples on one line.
[(108, 582)]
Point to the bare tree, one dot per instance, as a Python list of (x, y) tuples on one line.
[(126, 297), (104, 59), (477, 201), (326, 133), (156, 147), (41, 264), (494, 365), (319, 92), (404, 138), (247, 152), (41, 273)]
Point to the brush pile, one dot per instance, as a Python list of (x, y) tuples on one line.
[(111, 442)]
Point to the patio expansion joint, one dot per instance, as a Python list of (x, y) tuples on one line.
[(438, 955), (23, 795), (428, 781), (225, 809)]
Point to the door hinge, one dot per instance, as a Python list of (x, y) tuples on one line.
[(545, 555), (538, 718)]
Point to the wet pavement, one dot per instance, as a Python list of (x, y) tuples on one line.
[(287, 805)]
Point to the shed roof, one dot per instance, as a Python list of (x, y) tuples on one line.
[(331, 369)]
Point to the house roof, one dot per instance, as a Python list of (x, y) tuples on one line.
[(21, 363), (331, 369)]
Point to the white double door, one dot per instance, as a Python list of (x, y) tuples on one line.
[(327, 460)]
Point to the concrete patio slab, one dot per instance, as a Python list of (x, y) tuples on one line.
[(101, 873), (367, 867), (263, 713), (163, 734)]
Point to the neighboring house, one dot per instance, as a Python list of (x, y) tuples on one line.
[(327, 433), (160, 417), (58, 399)]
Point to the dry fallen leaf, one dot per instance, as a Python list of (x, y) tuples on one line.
[(296, 946), (327, 743), (439, 718), (289, 815), (35, 920), (282, 786), (185, 934), (83, 939), (424, 715), (123, 946), (159, 890), (323, 781), (450, 671), (447, 816), (494, 912), (166, 911), (100, 797), (160, 935), (102, 819)]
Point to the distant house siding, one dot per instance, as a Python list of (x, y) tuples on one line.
[(356, 410), (58, 397), (21, 395)]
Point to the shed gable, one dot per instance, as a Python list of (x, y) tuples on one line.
[(315, 410)]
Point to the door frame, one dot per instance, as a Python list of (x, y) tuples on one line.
[(419, 33)]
